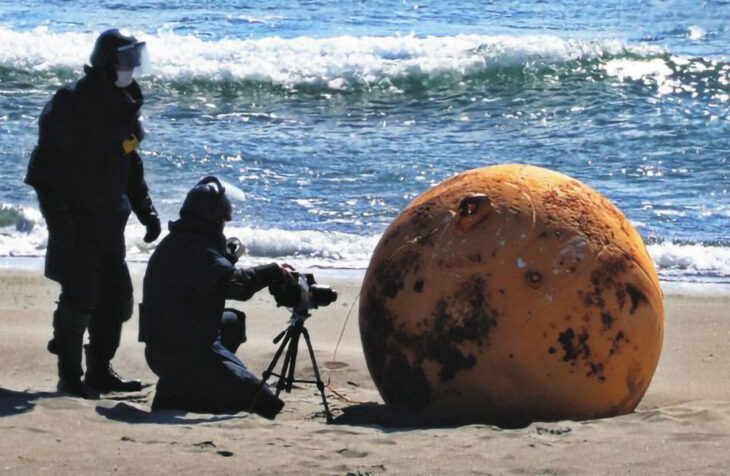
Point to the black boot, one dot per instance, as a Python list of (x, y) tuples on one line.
[(68, 336), (105, 333), (101, 376), (266, 403), (77, 388), (271, 408)]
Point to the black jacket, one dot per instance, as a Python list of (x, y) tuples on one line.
[(81, 170), (188, 279)]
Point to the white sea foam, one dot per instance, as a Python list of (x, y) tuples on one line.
[(307, 248), (691, 260), (655, 71), (301, 248), (696, 33), (337, 63), (623, 69), (329, 249)]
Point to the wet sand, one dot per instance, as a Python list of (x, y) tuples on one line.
[(682, 425)]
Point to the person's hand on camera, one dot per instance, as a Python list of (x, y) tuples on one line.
[(154, 228), (286, 273), (274, 273)]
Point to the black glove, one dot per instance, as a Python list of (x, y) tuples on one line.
[(154, 228), (271, 273)]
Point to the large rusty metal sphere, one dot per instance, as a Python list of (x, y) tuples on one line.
[(511, 294)]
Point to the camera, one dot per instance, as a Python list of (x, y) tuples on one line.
[(302, 295)]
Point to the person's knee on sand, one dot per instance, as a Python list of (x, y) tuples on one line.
[(233, 329)]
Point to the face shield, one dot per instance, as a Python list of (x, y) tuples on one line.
[(134, 57)]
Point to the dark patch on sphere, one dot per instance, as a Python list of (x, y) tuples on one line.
[(391, 273), (574, 346), (441, 342), (607, 320), (406, 385), (636, 295)]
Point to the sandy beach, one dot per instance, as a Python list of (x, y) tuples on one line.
[(682, 426)]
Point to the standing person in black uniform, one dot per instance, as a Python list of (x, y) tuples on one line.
[(88, 177), (191, 339)]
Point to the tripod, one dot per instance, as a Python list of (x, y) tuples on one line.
[(289, 339)]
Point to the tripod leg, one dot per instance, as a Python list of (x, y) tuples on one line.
[(294, 348), (320, 384), (267, 373), (286, 367)]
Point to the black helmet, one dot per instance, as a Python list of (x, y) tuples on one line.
[(208, 202), (115, 48)]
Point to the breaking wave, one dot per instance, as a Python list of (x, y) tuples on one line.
[(356, 64), (23, 234)]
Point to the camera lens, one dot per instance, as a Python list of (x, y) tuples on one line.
[(322, 295)]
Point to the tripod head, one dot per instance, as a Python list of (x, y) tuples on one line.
[(302, 295)]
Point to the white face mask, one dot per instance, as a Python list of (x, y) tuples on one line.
[(124, 78)]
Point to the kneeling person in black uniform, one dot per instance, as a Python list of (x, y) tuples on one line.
[(190, 337)]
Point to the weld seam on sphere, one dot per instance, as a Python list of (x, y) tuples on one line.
[(510, 294)]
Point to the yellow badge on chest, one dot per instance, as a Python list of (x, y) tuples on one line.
[(131, 144)]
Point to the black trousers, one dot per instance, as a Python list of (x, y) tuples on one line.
[(209, 380), (99, 285), (85, 255)]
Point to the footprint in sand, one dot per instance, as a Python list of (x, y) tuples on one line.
[(349, 453), (335, 365), (66, 403), (205, 444), (383, 442), (209, 444), (543, 430), (335, 431)]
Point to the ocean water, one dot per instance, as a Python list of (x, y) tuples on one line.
[(325, 118)]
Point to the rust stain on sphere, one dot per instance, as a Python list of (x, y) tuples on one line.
[(511, 294)]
